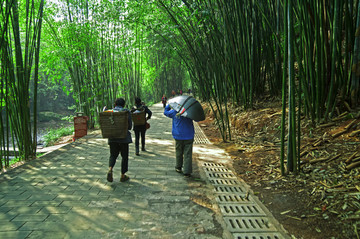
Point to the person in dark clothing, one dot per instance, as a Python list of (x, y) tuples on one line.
[(164, 100), (120, 145), (140, 129)]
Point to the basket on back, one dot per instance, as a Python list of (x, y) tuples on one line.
[(138, 117), (113, 124)]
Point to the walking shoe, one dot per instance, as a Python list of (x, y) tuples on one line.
[(109, 176), (187, 175), (178, 170), (124, 179), (137, 154), (143, 149)]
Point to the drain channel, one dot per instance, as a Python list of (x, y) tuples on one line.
[(242, 214), (234, 198), (230, 189), (242, 210), (220, 175), (269, 235), (249, 224), (200, 137)]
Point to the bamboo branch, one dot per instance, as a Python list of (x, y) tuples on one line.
[(351, 124), (356, 159), (318, 160), (333, 158), (351, 157), (327, 125), (355, 133), (318, 142), (346, 128), (347, 106), (353, 165), (304, 153), (341, 117), (339, 133), (328, 159)]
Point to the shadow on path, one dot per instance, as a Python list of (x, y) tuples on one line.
[(64, 194)]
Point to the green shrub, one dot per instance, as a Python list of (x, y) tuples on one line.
[(54, 134)]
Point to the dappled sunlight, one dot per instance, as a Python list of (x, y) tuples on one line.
[(124, 215), (70, 191), (207, 150), (159, 141)]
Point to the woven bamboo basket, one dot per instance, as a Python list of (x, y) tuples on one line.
[(113, 124), (138, 118)]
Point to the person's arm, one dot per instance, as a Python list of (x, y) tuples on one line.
[(169, 112), (149, 113)]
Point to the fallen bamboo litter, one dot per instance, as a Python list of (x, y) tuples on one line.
[(327, 125), (350, 124), (318, 142), (333, 158), (346, 128), (304, 153), (340, 117), (351, 158), (356, 159), (355, 133), (339, 133), (353, 165), (328, 159)]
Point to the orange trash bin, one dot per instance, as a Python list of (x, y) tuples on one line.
[(80, 125)]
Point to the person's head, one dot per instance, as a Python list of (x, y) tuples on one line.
[(120, 102), (137, 101)]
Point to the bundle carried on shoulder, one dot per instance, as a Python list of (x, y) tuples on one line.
[(113, 124), (138, 116)]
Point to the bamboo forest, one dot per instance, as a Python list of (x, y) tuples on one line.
[(233, 55)]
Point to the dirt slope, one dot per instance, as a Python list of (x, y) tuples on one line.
[(324, 200)]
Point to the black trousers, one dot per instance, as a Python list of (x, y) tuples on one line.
[(115, 150), (139, 132)]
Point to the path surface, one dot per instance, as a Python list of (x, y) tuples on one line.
[(64, 194)]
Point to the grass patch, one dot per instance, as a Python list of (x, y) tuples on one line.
[(54, 134)]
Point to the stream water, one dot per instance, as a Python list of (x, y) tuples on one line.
[(43, 129)]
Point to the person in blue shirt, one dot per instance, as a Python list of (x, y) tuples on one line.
[(120, 145), (183, 132)]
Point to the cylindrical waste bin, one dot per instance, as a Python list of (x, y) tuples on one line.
[(80, 125)]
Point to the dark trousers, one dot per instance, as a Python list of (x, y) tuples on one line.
[(138, 133), (115, 149), (184, 155)]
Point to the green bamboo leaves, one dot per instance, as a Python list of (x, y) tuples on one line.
[(238, 51), (235, 53), (19, 60)]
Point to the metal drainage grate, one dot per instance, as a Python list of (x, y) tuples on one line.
[(270, 235), (242, 210), (213, 165), (200, 137), (220, 175), (230, 189), (249, 224), (224, 182), (245, 219), (226, 198), (216, 170)]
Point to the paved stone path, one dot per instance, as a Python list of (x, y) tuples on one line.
[(64, 194)]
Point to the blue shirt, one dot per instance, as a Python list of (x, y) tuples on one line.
[(182, 128)]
